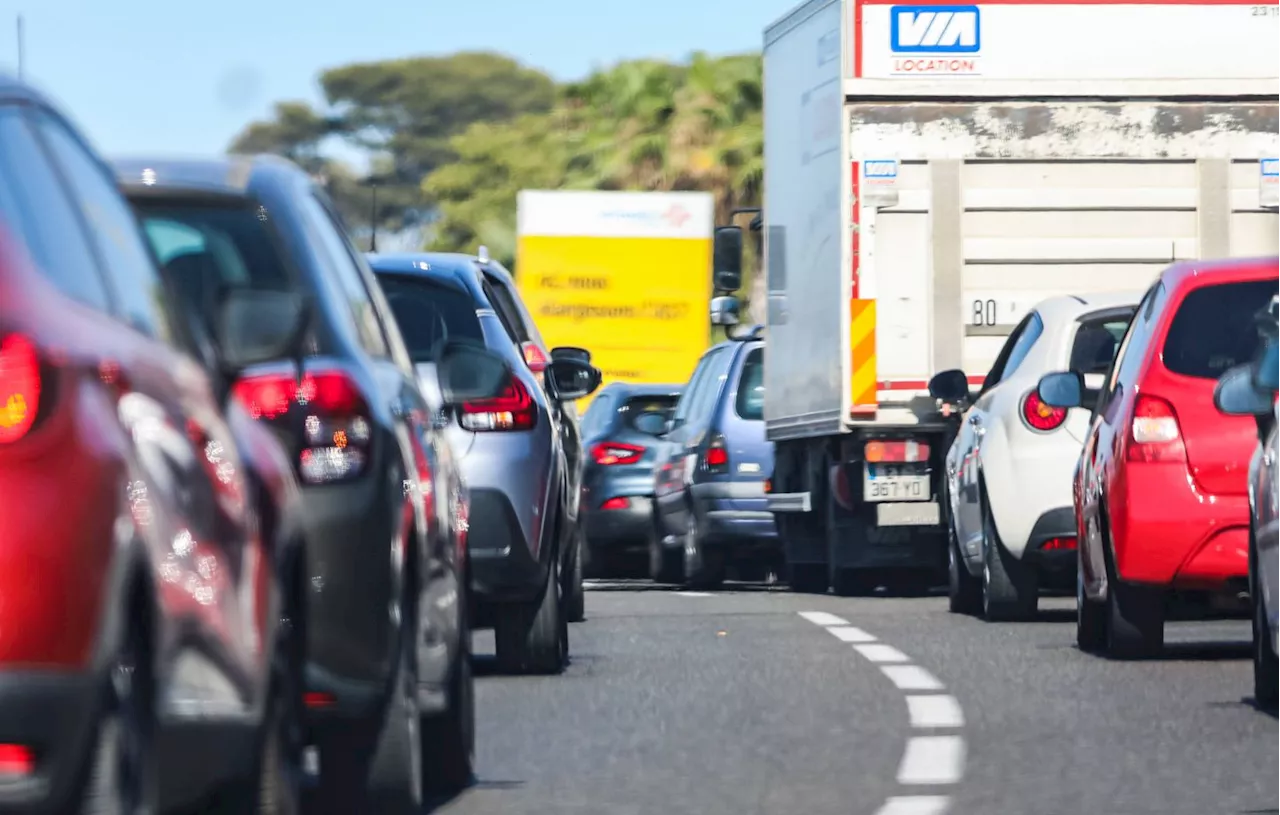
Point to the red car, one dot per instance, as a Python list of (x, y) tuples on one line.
[(150, 583), (1161, 497)]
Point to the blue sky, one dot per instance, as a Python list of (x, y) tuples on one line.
[(176, 76)]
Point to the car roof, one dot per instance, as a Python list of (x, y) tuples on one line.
[(1192, 274), (644, 388), (231, 176), (1075, 306), (408, 263)]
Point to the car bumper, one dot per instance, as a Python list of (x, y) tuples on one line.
[(1056, 566), (1168, 533), (620, 528), (54, 715), (735, 514)]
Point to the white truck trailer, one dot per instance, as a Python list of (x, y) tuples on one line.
[(931, 172)]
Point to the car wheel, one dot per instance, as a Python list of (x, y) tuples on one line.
[(449, 738), (1009, 590), (666, 563), (122, 771), (704, 566), (533, 637), (575, 593), (1265, 678), (1135, 614), (964, 591), (1091, 616), (395, 773)]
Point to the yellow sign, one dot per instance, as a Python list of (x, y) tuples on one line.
[(636, 296)]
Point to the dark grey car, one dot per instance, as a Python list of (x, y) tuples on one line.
[(620, 432)]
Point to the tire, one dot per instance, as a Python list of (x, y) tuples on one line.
[(808, 578), (449, 738), (1009, 590), (704, 566), (1091, 616), (1265, 675), (964, 591), (121, 774), (575, 594), (1135, 615), (666, 565), (534, 637), (395, 773)]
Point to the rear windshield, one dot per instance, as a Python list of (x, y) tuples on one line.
[(638, 406), (430, 314), (1097, 340), (1214, 328), (750, 402)]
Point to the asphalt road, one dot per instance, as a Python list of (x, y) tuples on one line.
[(738, 702)]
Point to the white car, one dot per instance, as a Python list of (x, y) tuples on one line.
[(1013, 523)]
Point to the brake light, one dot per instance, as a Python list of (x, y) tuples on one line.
[(536, 360), (614, 452), (16, 760), (616, 503), (1039, 416), (1155, 433), (513, 409), (335, 428), (19, 387), (716, 458), (1059, 544), (895, 452)]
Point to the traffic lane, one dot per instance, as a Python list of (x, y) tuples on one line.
[(1052, 730), (660, 712)]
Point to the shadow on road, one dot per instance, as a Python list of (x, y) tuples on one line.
[(435, 804), (1056, 615), (1208, 651)]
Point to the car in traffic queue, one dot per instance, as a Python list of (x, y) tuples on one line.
[(526, 568), (620, 432), (388, 685), (1160, 493), (1250, 389), (1012, 526), (709, 473), (149, 561)]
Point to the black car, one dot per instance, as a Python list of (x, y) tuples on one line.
[(620, 431), (388, 679), (514, 453)]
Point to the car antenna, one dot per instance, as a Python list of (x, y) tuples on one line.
[(482, 254)]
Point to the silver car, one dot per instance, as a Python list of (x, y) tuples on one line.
[(515, 452)]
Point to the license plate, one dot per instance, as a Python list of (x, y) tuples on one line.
[(917, 514), (894, 483)]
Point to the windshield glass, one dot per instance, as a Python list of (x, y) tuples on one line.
[(750, 401), (1096, 343), (429, 315), (639, 406), (1209, 335)]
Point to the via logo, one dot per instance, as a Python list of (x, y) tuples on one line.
[(934, 30)]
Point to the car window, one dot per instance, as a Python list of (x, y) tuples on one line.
[(598, 415), (692, 391), (1133, 349), (114, 228), (1026, 341), (1096, 342), (997, 368), (710, 387), (1213, 328), (638, 406), (342, 266), (750, 400), (512, 327), (35, 205), (429, 315), (505, 301)]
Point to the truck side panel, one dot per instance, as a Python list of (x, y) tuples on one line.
[(802, 194)]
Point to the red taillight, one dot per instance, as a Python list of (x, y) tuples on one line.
[(1155, 435), (16, 760), (19, 387), (533, 357), (513, 409), (895, 452), (616, 503), (716, 459), (1039, 416), (614, 452), (316, 699), (335, 428), (1059, 545)]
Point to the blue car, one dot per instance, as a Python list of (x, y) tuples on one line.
[(710, 472)]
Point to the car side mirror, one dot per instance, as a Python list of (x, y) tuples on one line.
[(257, 326), (725, 310), (949, 386), (570, 352), (1062, 389), (653, 424), (571, 378), (727, 259), (1236, 395), (469, 372)]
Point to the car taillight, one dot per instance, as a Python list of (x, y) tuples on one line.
[(1155, 433), (716, 458), (19, 387), (1039, 416), (895, 452), (1059, 544), (513, 409), (616, 503), (16, 761), (335, 428), (535, 359), (615, 452)]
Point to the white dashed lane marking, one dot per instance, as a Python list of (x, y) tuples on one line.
[(931, 760), (695, 594)]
